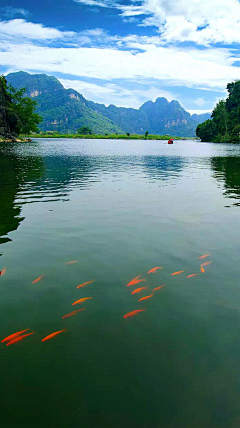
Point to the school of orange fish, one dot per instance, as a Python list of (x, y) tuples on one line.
[(19, 335)]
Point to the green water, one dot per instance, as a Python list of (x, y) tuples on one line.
[(120, 208)]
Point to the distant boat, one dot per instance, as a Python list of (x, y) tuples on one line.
[(170, 141)]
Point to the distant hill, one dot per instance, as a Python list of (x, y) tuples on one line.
[(65, 110)]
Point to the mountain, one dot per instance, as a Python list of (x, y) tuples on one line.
[(62, 110), (200, 118), (129, 119), (167, 117), (65, 110)]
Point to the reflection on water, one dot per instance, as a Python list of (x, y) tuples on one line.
[(163, 167), (227, 171), (15, 172), (120, 209)]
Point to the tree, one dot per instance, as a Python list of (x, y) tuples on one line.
[(146, 134), (85, 130), (220, 117), (20, 110), (206, 131), (128, 133)]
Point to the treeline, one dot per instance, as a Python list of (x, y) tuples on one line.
[(224, 125), (128, 136)]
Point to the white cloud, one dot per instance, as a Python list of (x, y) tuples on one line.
[(111, 93), (199, 111), (199, 101), (11, 12), (203, 22), (211, 68), (99, 3), (28, 30)]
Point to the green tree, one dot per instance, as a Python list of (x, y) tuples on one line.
[(85, 130), (206, 131), (128, 133), (146, 134), (20, 110), (220, 117)]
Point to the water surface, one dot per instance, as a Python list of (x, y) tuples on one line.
[(120, 208)]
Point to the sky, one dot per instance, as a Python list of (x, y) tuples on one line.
[(126, 52)]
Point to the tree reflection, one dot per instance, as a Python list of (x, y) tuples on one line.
[(227, 170), (14, 172)]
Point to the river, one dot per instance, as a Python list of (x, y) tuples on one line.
[(117, 209)]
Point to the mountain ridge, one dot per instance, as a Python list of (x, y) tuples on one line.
[(65, 110)]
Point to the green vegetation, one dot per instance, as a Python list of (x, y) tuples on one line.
[(85, 130), (17, 113), (224, 125), (65, 111), (52, 134)]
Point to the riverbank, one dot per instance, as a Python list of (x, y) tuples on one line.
[(107, 136), (15, 140)]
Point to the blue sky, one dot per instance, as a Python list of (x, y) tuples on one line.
[(125, 52)]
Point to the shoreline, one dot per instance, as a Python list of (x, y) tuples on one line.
[(109, 137), (16, 140)]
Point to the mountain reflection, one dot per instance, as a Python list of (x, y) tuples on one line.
[(163, 167), (227, 170), (29, 176)]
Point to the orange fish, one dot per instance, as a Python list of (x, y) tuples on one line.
[(204, 255), (81, 300), (176, 273), (19, 338), (72, 261), (14, 335), (193, 274), (135, 281), (139, 289), (202, 270), (85, 283), (146, 297), (50, 336), (2, 272), (206, 263), (158, 288), (155, 269), (73, 313), (133, 313), (38, 279)]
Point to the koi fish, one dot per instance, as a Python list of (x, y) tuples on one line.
[(13, 336), (135, 281), (85, 283), (139, 289), (193, 274), (176, 273), (146, 297), (73, 313), (204, 255), (38, 279), (18, 339), (81, 300), (50, 336), (202, 270), (206, 263), (158, 288), (2, 272), (155, 269), (133, 313), (72, 261)]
